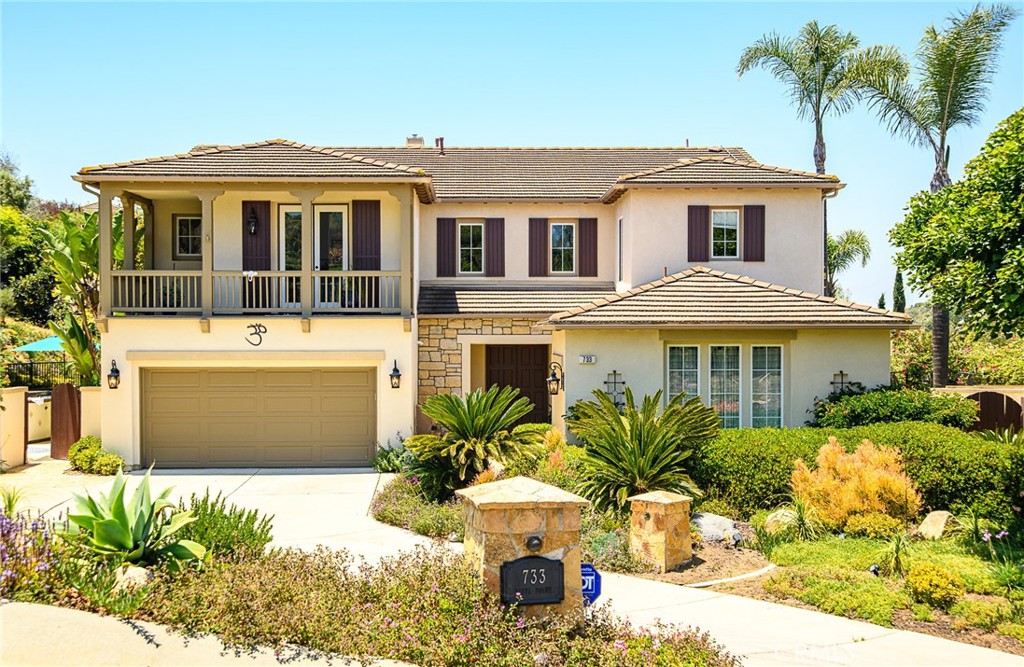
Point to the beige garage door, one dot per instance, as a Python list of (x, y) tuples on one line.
[(287, 417)]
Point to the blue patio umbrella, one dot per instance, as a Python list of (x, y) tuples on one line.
[(51, 344)]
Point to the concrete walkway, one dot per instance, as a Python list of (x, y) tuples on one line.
[(330, 507)]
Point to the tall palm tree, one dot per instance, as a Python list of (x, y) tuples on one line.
[(954, 67), (844, 251), (816, 65)]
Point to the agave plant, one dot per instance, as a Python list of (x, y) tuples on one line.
[(136, 530), (475, 430), (638, 450)]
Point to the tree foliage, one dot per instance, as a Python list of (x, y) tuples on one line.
[(966, 243), (899, 297), (15, 191), (849, 248)]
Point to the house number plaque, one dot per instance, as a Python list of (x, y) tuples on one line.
[(532, 580)]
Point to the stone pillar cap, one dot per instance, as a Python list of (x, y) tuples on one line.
[(663, 497), (519, 492)]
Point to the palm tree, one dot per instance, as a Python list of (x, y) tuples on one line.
[(844, 251), (954, 67), (817, 66)]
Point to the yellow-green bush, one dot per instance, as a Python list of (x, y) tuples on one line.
[(933, 585), (870, 480), (87, 456), (873, 525), (984, 614)]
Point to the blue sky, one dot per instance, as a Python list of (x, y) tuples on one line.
[(89, 83)]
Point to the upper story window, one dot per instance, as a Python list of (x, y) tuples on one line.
[(188, 236), (471, 247), (725, 234), (563, 247)]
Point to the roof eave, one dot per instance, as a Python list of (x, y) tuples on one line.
[(562, 324), (617, 190)]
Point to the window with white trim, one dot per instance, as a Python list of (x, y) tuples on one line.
[(188, 237), (471, 247), (766, 386), (683, 371), (725, 384), (563, 247), (725, 233)]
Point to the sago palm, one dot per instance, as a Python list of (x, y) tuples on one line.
[(845, 250), (817, 67), (638, 450), (954, 69)]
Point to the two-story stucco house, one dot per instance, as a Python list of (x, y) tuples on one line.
[(295, 303)]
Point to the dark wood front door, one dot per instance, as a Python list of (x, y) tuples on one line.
[(525, 368)]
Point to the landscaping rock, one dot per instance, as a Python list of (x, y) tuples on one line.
[(713, 527), (935, 525), (779, 521), (132, 578)]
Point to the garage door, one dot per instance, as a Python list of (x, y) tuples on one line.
[(245, 417)]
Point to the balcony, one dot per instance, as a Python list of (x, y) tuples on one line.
[(262, 292)]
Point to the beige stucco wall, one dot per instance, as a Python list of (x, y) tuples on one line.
[(146, 342), (92, 406), (517, 235), (228, 225), (38, 420), (12, 426), (810, 358), (656, 221)]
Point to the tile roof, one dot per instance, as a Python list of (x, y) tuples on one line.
[(497, 300), (700, 298)]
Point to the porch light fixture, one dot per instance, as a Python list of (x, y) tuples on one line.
[(114, 376), (253, 222), (396, 376), (556, 380)]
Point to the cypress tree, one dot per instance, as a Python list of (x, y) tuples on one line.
[(899, 299)]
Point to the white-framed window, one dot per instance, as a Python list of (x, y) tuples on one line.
[(683, 371), (471, 247), (188, 236), (725, 384), (725, 233), (563, 247), (766, 386)]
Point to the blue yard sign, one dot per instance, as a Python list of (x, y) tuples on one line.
[(591, 583)]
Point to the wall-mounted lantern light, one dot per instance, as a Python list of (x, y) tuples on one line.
[(253, 222), (114, 376), (556, 380), (396, 376)]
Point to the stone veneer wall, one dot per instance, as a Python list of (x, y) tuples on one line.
[(440, 357)]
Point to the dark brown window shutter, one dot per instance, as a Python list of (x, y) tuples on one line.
[(366, 235), (538, 246), (446, 248), (587, 250), (494, 247), (698, 239), (256, 247), (753, 233)]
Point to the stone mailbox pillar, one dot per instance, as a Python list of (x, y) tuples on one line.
[(659, 530), (509, 524)]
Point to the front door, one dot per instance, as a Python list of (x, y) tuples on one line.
[(525, 368)]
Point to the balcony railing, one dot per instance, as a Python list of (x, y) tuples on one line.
[(241, 292)]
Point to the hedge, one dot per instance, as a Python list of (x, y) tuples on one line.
[(751, 468), (901, 405)]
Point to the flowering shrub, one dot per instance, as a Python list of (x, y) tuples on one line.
[(869, 480), (971, 360), (426, 607), (28, 555), (902, 405)]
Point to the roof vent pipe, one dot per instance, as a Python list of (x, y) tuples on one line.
[(439, 143), (415, 141)]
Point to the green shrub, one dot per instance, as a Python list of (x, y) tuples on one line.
[(388, 459), (517, 464), (875, 526), (87, 456), (933, 585), (751, 468), (226, 531), (840, 592), (717, 506), (562, 467), (604, 542), (642, 448), (403, 503), (984, 614), (899, 405)]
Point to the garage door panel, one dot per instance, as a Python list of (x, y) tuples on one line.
[(258, 417)]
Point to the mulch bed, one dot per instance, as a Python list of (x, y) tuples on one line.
[(714, 561)]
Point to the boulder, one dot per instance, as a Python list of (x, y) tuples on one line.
[(132, 578), (779, 521), (935, 525), (713, 527)]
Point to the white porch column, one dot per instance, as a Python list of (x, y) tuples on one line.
[(128, 231), (405, 200), (306, 197), (149, 224), (106, 252), (206, 197)]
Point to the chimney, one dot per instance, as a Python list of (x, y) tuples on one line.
[(415, 141), (439, 144)]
